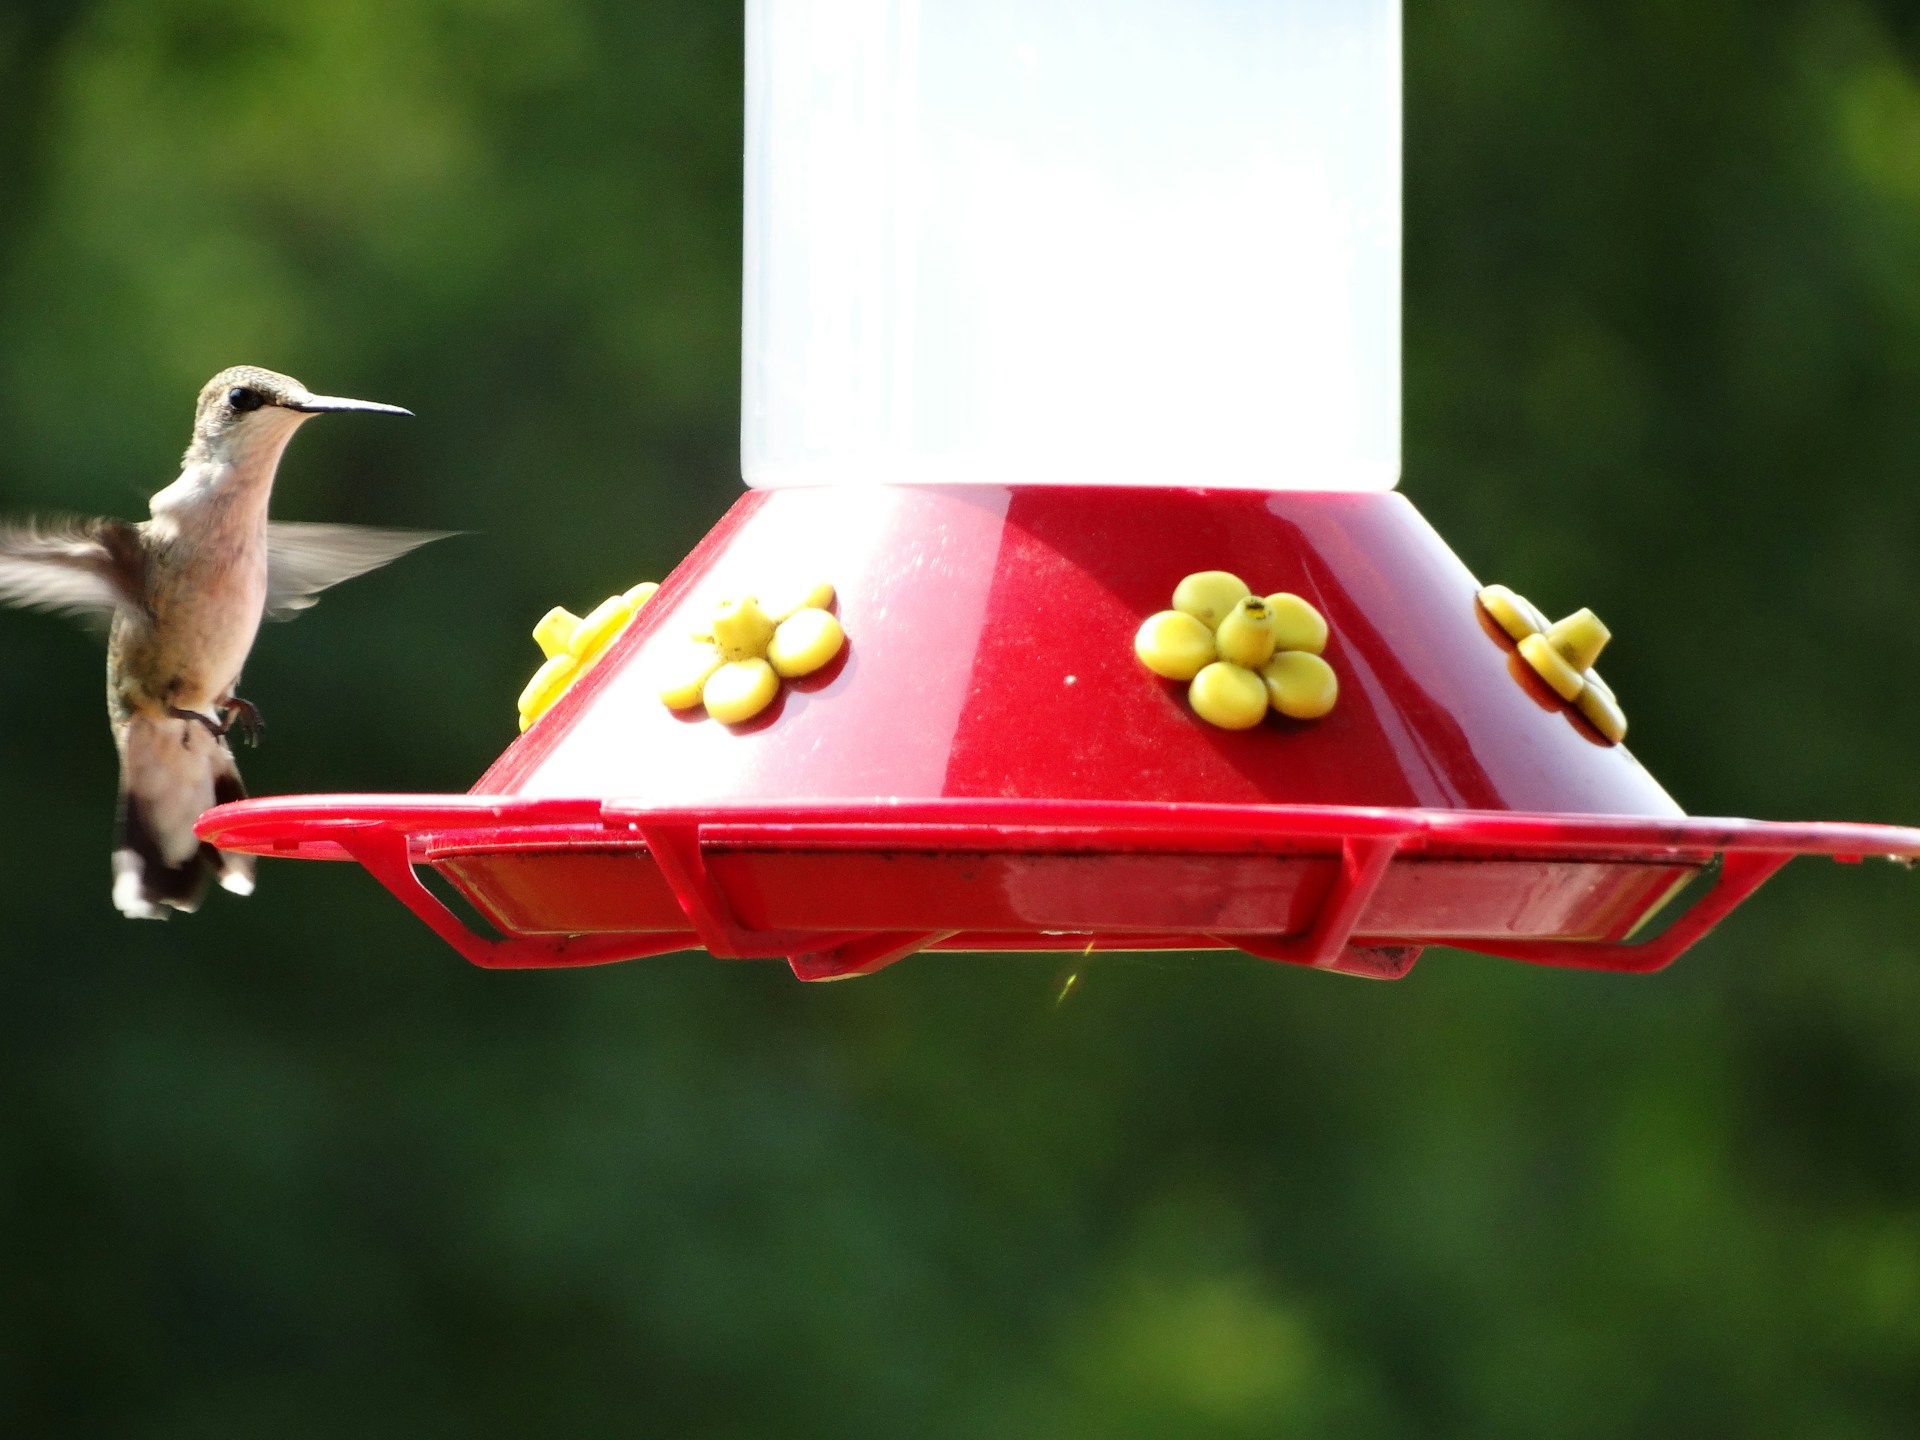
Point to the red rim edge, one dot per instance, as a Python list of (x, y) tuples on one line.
[(1353, 849)]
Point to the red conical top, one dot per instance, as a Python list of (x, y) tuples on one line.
[(991, 655)]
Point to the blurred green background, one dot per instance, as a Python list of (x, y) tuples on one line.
[(289, 1167)]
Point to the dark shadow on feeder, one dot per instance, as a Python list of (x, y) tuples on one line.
[(753, 724), (816, 680), (451, 896), (1547, 698)]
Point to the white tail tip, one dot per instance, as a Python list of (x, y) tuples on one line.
[(129, 894)]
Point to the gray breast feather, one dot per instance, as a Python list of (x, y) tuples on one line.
[(304, 559)]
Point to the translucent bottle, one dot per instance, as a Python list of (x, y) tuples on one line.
[(1073, 241)]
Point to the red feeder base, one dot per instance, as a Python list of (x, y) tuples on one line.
[(988, 767)]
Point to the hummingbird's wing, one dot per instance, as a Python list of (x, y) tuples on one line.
[(303, 560), (87, 568)]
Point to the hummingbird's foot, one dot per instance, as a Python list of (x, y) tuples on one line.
[(216, 728), (248, 714)]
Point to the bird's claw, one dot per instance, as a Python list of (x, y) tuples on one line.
[(248, 714), (231, 709)]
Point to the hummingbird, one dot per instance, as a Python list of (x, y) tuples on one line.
[(182, 595)]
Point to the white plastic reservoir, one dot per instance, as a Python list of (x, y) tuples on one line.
[(1073, 241)]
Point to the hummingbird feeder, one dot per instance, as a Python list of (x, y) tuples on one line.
[(1071, 366)]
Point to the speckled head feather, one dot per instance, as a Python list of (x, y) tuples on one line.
[(231, 397), (216, 406)]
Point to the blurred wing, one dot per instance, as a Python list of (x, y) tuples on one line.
[(87, 568), (303, 560)]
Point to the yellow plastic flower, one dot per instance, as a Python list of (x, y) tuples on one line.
[(572, 644), (1242, 653), (734, 667), (1562, 653)]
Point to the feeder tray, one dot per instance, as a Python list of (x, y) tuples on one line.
[(988, 767)]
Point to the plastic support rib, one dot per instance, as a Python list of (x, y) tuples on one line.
[(384, 855)]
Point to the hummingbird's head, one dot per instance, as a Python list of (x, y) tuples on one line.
[(244, 408)]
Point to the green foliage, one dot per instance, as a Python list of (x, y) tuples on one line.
[(289, 1168)]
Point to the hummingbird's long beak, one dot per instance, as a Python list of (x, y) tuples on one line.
[(326, 404)]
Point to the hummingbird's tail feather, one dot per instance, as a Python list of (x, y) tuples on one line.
[(172, 771), (232, 869)]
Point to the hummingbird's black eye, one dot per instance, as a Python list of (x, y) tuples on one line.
[(243, 399)]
